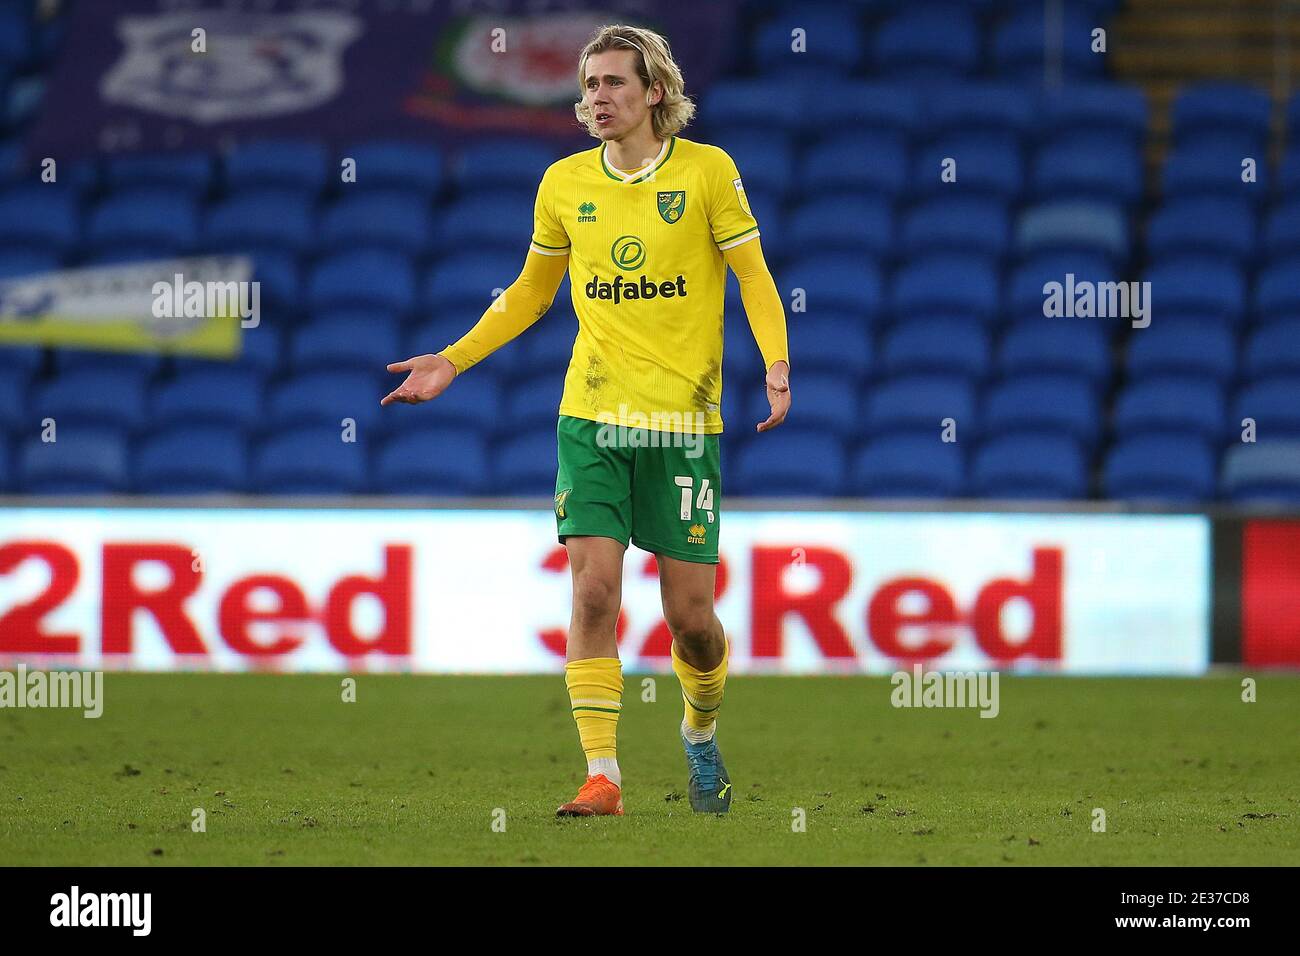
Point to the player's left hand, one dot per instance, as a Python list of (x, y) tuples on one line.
[(778, 395)]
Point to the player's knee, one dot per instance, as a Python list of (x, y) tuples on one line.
[(692, 625), (595, 598)]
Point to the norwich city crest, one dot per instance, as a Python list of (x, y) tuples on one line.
[(672, 205), (559, 502)]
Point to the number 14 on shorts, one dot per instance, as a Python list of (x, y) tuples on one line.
[(703, 501)]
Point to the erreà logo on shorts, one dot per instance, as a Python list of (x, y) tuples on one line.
[(629, 253), (103, 909)]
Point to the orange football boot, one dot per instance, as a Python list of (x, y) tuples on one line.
[(597, 797)]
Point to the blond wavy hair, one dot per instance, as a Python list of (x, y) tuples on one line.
[(654, 61)]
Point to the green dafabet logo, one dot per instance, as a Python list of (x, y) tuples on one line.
[(672, 205), (628, 252)]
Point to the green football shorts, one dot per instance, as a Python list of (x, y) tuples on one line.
[(660, 490)]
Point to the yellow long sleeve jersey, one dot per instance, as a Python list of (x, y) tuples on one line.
[(647, 255)]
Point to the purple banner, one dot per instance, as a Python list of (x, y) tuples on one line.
[(129, 76)]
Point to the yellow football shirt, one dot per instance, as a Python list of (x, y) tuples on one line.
[(647, 278)]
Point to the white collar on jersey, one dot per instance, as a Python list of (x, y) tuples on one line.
[(638, 173)]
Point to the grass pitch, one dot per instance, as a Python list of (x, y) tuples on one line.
[(418, 768)]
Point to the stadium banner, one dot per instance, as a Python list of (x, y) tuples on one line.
[(1270, 593), (193, 306), (488, 591), (133, 75)]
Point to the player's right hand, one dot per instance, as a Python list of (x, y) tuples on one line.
[(429, 377)]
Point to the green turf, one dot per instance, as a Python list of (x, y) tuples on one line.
[(412, 773)]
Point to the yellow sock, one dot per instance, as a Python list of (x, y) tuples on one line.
[(702, 694), (596, 695)]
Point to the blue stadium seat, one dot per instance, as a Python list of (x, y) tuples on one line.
[(145, 364), (858, 106), (909, 466), (310, 460), (1066, 346), (326, 398), (1075, 225), (14, 383), (1277, 290), (765, 162), (83, 460), (193, 459), (1035, 467), (1174, 468), (980, 106), (920, 403), (870, 162), (952, 285), (1242, 112), (486, 165), (1095, 107), (533, 402), (433, 461), (8, 469), (262, 219), (279, 163), (1212, 169), (978, 224), (548, 344), (1210, 225), (741, 360), (943, 346), (386, 220), (854, 224), (1025, 296), (345, 342), (164, 218), (260, 349), (835, 283), (986, 164), (828, 402), (1262, 472), (751, 105), (365, 279), (190, 172), (16, 36), (279, 280), (1053, 404), (487, 224), (1273, 349), (401, 166), (1198, 287), (1103, 166), (786, 462), (465, 282), (1274, 404), (832, 41), (926, 44), (1282, 230), (95, 397), (1183, 348), (1171, 404), (828, 343), (40, 219), (525, 463), (229, 397), (1020, 45)]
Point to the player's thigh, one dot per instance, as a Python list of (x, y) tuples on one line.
[(677, 498), (593, 482)]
